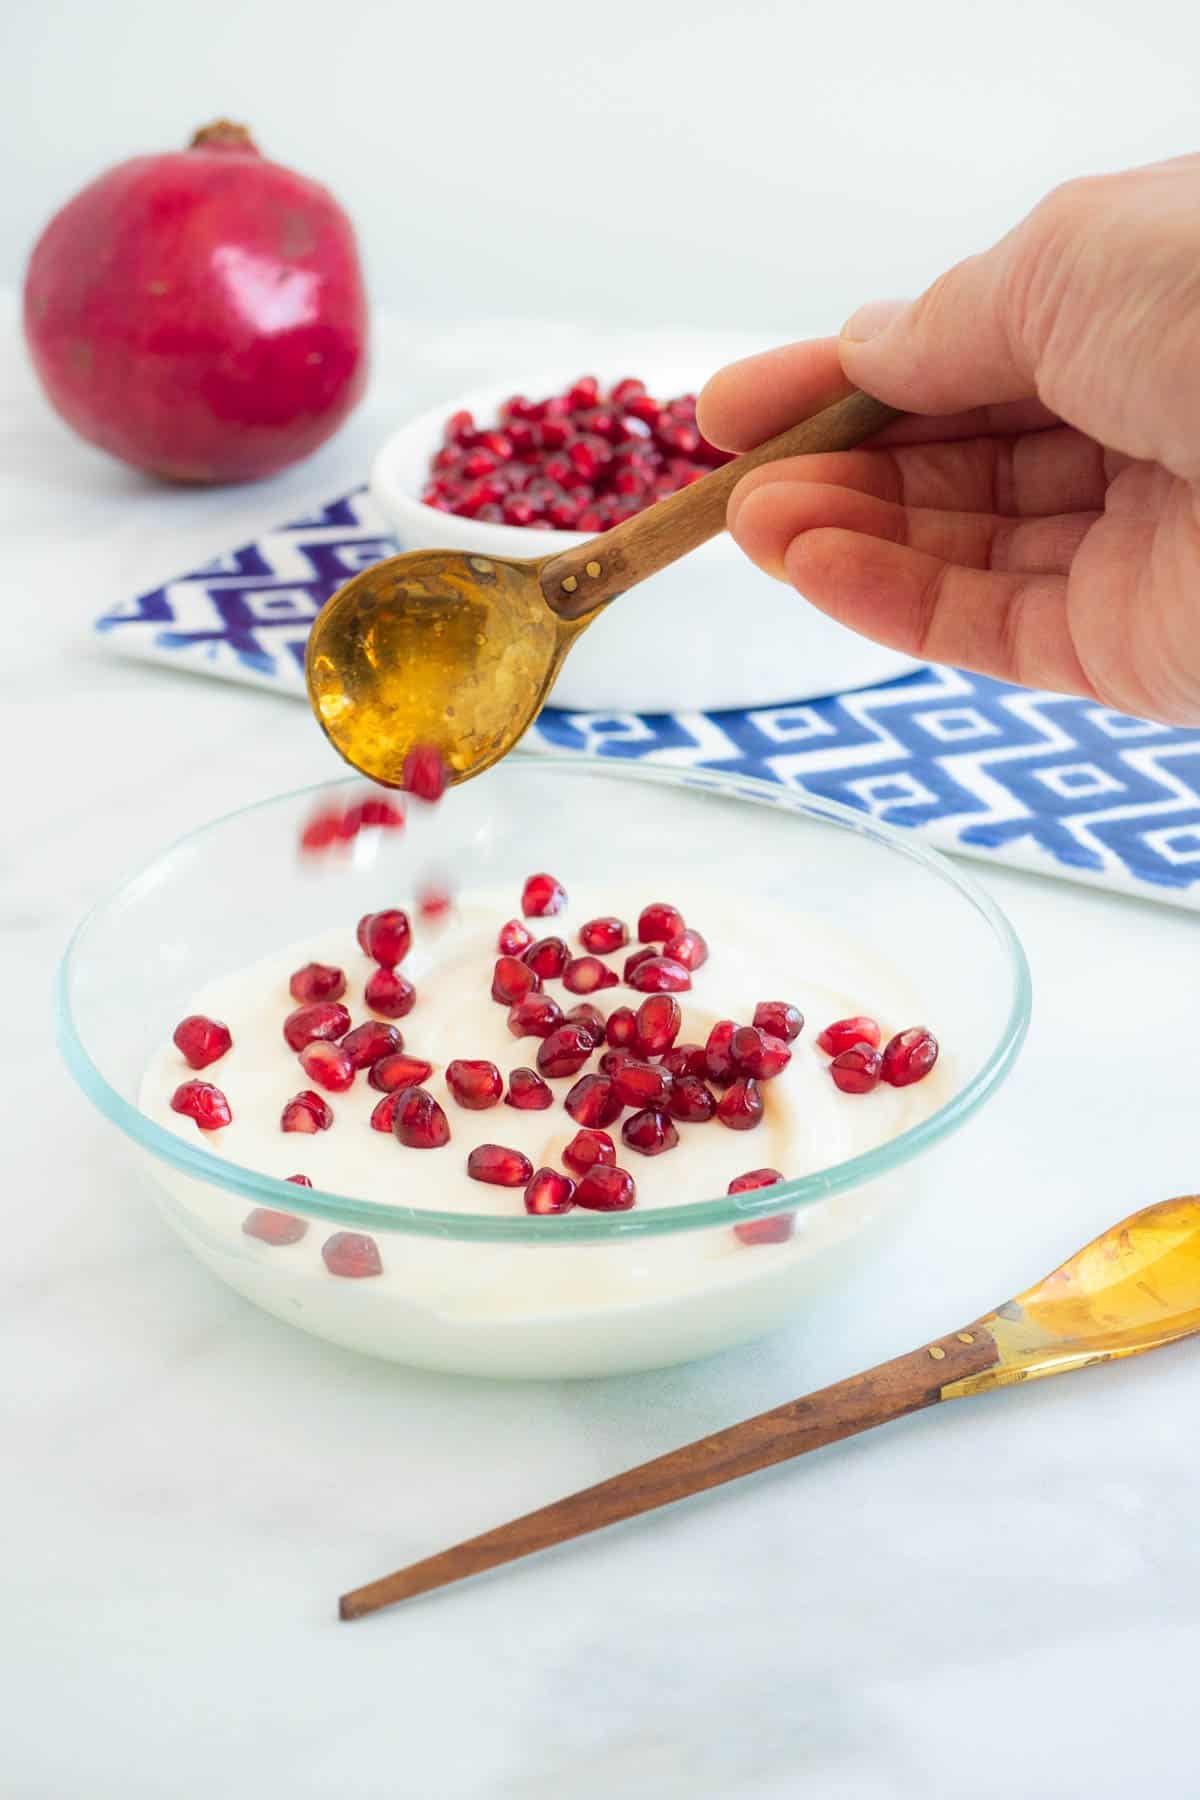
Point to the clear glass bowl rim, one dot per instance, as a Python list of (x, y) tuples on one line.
[(576, 1227)]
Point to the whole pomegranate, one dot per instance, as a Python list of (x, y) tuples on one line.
[(201, 313)]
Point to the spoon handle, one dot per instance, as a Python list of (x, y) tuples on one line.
[(588, 575)]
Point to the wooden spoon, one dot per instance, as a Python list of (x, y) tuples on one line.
[(1134, 1288), (458, 652)]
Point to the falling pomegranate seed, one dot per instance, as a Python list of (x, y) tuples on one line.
[(909, 1056), (351, 1254), (390, 994), (656, 1025), (419, 1122), (549, 1191), (640, 1084), (649, 1132), (594, 1101), (271, 1227), (776, 1229), (621, 1027), (306, 1112), (512, 980), (688, 948), (690, 1101), (857, 1070), (541, 896), (475, 1085), (425, 773), (659, 922), (499, 1166), (328, 1065), (780, 1018), (565, 1051), (547, 958), (201, 1041), (317, 981), (527, 1091), (537, 1015), (844, 1032), (601, 936), (684, 1059), (586, 974), (389, 937), (635, 960), (718, 1053), (757, 1053), (514, 937), (590, 1018), (396, 1071), (589, 1148), (605, 1189), (659, 975), (434, 901), (320, 831), (203, 1103), (326, 1019), (381, 814), (741, 1106), (367, 1043)]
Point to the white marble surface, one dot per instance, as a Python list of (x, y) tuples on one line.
[(996, 1599)]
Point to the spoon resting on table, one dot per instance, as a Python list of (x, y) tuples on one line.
[(1132, 1289), (458, 652)]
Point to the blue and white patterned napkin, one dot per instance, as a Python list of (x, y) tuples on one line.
[(1050, 784)]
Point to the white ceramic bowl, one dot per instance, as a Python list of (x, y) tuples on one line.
[(710, 632)]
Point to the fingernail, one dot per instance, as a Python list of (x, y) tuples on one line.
[(871, 319)]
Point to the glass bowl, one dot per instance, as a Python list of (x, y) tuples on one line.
[(512, 1295)]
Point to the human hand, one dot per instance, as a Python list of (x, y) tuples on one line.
[(1041, 520)]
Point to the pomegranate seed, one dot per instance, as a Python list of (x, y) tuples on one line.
[(657, 1025), (630, 388), (552, 434), (563, 514), (391, 994), (774, 1230), (367, 1043), (382, 815), (521, 436), (857, 1070), (512, 981), (203, 1103), (688, 948), (328, 1065), (306, 1112), (590, 1017), (588, 455), (459, 428), (361, 930), (909, 1056), (586, 974), (690, 1101), (320, 832), (601, 936), (499, 1166), (547, 958), (565, 1051), (475, 1085), (549, 1192), (659, 922), (537, 1015), (589, 1148), (594, 1101), (396, 1071), (718, 1052), (757, 1053), (528, 1092), (659, 975), (541, 896), (640, 1084), (583, 394), (419, 1122), (326, 1019), (351, 1254), (844, 1032), (201, 1041), (272, 1227), (514, 937), (685, 1059), (644, 407), (741, 1106), (649, 1132), (621, 1026), (780, 1019), (425, 773), (434, 901), (755, 1178), (389, 937), (605, 1189), (300, 1180), (612, 1060), (383, 1113), (517, 510), (317, 981)]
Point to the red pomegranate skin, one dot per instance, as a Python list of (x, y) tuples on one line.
[(200, 313)]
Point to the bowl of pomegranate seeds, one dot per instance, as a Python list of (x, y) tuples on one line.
[(581, 1068), (525, 469)]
